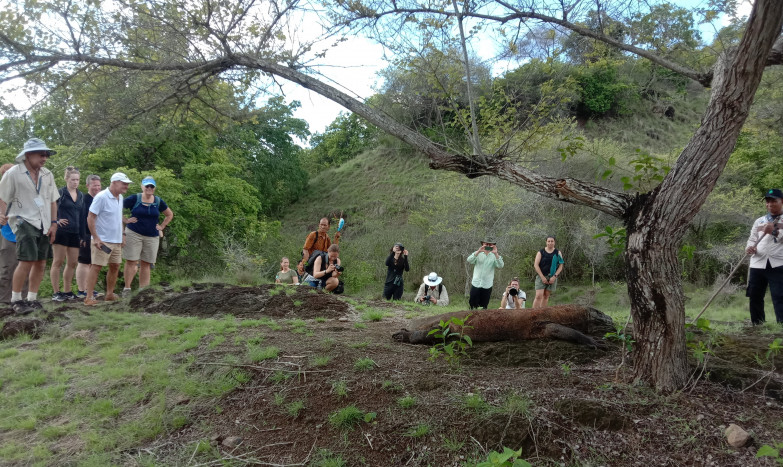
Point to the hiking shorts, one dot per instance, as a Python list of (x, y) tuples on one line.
[(140, 247), (31, 243), (541, 286), (102, 258)]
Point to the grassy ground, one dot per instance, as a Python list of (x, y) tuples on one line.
[(99, 384), (95, 386)]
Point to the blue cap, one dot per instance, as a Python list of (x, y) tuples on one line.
[(148, 181)]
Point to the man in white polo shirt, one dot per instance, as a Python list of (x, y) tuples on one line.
[(28, 203), (105, 223)]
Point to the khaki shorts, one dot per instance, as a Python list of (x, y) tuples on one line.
[(540, 285), (102, 258), (140, 247)]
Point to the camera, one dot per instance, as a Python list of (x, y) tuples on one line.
[(426, 300), (402, 248), (338, 268), (513, 292)]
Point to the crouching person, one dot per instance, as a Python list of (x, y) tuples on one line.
[(327, 269), (432, 292)]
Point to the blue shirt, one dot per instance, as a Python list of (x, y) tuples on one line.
[(147, 216)]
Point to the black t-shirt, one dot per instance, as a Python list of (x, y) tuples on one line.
[(71, 210), (396, 269)]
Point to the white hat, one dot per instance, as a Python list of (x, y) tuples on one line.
[(433, 279), (120, 177), (33, 145)]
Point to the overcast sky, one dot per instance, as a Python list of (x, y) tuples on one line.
[(353, 68)]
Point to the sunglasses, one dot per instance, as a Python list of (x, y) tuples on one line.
[(149, 186)]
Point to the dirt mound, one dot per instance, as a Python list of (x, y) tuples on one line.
[(243, 302), (540, 353), (15, 327)]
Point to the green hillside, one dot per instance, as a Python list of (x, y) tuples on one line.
[(389, 195)]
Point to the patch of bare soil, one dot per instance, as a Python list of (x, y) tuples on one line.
[(243, 302), (559, 402)]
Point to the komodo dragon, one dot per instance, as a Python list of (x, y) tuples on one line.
[(566, 322)]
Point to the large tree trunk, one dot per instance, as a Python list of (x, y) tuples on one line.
[(658, 221), (657, 307)]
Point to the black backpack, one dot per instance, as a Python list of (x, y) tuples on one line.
[(311, 261)]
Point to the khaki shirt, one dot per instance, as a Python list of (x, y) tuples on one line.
[(26, 201)]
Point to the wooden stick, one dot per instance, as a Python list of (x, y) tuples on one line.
[(726, 281)]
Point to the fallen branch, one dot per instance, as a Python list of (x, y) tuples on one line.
[(255, 367)]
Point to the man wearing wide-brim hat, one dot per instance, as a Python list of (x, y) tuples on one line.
[(28, 203), (766, 265), (486, 259), (432, 291)]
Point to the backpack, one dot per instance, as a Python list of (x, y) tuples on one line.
[(155, 203), (311, 261)]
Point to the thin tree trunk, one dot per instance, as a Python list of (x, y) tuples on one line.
[(473, 130)]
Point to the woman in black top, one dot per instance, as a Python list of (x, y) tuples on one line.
[(66, 241), (397, 262), (548, 265)]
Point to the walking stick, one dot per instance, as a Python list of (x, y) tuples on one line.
[(728, 278)]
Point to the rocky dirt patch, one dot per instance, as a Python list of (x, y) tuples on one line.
[(243, 302), (13, 327), (557, 401)]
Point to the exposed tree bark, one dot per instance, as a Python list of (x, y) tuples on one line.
[(656, 229)]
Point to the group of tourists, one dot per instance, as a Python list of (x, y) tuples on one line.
[(82, 231), (321, 267)]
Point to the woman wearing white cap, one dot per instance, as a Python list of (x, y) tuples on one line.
[(142, 234), (432, 292)]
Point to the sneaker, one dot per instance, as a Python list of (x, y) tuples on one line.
[(58, 297), (126, 293), (21, 307), (35, 304), (96, 295), (81, 294), (71, 296), (89, 302)]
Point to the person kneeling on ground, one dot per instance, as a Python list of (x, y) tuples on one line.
[(328, 269), (513, 298), (305, 277), (286, 275), (432, 292)]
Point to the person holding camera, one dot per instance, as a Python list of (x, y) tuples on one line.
[(396, 263), (432, 292), (327, 269), (486, 259), (548, 265), (513, 297)]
